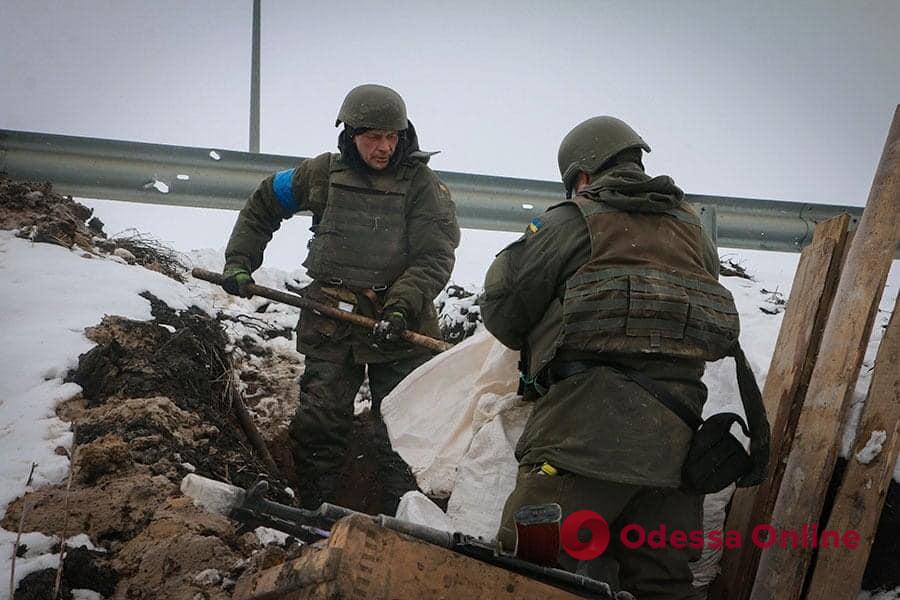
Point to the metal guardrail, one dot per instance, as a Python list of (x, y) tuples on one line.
[(214, 178)]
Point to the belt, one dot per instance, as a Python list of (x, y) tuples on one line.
[(340, 282), (562, 370)]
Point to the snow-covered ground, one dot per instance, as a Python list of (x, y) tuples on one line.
[(51, 294)]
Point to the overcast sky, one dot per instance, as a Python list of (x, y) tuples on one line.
[(787, 100)]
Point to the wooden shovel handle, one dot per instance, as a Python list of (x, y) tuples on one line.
[(410, 336)]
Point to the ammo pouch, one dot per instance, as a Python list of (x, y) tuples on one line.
[(716, 458)]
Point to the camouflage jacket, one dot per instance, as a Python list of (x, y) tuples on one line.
[(598, 423), (432, 236)]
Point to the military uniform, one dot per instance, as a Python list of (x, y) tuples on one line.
[(384, 240), (621, 278)]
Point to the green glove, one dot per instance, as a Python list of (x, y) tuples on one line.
[(389, 328), (235, 281)]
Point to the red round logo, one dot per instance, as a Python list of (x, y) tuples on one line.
[(595, 545)]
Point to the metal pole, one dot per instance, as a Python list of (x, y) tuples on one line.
[(254, 80)]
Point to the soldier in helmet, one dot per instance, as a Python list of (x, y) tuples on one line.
[(385, 234), (611, 296)]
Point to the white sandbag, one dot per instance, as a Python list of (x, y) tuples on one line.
[(430, 415), (487, 473), (416, 507)]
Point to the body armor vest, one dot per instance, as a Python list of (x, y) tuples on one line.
[(645, 289), (361, 240)]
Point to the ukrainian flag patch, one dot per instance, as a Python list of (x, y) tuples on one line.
[(535, 225)]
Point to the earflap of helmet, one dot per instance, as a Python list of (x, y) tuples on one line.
[(568, 178)]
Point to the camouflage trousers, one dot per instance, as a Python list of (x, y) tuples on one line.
[(323, 423), (648, 573)]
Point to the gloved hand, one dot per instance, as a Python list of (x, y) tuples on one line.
[(391, 325), (235, 281)]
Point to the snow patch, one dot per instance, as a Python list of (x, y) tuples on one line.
[(873, 447), (880, 595), (124, 254), (267, 536), (160, 186)]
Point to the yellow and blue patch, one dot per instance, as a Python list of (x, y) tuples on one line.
[(535, 225)]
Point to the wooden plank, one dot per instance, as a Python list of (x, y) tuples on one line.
[(782, 568), (316, 569), (367, 562), (795, 351), (838, 572)]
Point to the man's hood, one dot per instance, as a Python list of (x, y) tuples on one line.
[(627, 187)]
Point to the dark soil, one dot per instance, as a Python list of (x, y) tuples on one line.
[(109, 512), (883, 569), (167, 395), (362, 485), (42, 215), (83, 569), (365, 487), (40, 585)]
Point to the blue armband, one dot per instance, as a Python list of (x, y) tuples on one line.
[(281, 185)]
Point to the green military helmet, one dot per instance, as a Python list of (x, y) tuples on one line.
[(372, 106), (593, 142)]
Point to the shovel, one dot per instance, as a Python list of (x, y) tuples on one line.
[(435, 345)]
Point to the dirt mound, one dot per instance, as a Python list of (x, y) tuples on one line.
[(182, 552), (42, 215), (137, 248), (109, 512), (134, 359), (104, 456), (164, 387), (157, 404)]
